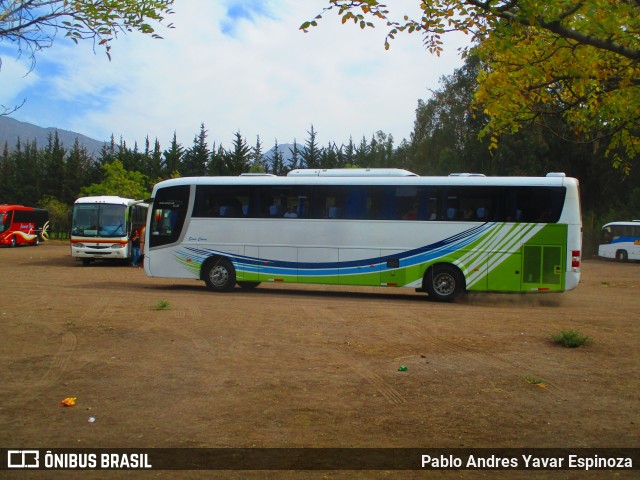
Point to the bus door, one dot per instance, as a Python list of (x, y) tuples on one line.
[(542, 267)]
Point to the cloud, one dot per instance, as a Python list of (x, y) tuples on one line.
[(239, 65), (15, 77)]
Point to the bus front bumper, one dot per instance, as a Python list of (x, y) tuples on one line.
[(99, 251)]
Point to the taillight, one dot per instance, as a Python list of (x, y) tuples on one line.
[(575, 258)]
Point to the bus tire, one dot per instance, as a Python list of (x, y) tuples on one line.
[(622, 256), (218, 274), (248, 285), (14, 242), (444, 282)]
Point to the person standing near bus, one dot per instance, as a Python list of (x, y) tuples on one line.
[(135, 249)]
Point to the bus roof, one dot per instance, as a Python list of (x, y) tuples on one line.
[(5, 207), (107, 199), (373, 179), (623, 223), (350, 172)]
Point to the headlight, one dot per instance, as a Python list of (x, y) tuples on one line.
[(116, 245), (79, 245)]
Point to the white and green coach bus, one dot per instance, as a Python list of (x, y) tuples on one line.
[(384, 227)]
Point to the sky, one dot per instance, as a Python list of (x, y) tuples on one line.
[(234, 66)]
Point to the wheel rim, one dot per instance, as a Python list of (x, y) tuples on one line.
[(444, 284), (219, 276)]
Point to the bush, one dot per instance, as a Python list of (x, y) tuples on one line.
[(570, 338)]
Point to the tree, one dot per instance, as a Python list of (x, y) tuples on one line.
[(173, 158), (238, 159), (118, 181), (311, 153), (578, 60), (77, 169), (196, 158), (257, 158), (53, 165), (277, 161), (58, 213), (33, 25), (153, 159), (294, 163)]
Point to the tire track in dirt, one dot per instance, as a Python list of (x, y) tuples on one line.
[(191, 313), (59, 364), (195, 314), (442, 345), (384, 388), (62, 359), (377, 382)]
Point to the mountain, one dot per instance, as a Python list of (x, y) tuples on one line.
[(11, 130), (285, 152)]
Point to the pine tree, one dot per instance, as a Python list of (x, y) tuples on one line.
[(77, 173), (328, 157), (361, 153), (217, 166), (277, 164), (153, 161), (196, 158), (295, 158), (349, 154), (172, 163), (54, 165), (238, 159), (311, 153), (7, 174), (257, 157)]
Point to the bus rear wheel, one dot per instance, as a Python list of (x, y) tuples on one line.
[(219, 275), (444, 283), (621, 256)]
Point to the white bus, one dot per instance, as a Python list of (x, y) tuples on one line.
[(102, 226), (442, 235), (620, 240)]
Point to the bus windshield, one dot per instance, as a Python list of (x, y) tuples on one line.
[(99, 220), (5, 221)]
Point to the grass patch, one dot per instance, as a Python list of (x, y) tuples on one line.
[(570, 338), (162, 305), (535, 381)]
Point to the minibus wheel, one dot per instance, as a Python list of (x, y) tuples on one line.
[(444, 282), (218, 274), (621, 255)]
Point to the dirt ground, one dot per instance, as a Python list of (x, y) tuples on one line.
[(308, 366)]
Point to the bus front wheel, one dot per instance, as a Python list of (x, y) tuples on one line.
[(444, 283), (621, 255), (219, 275)]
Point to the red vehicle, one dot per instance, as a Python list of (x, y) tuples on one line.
[(20, 225)]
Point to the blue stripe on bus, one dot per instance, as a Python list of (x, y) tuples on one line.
[(411, 257)]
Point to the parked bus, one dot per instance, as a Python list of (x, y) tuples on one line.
[(101, 227), (20, 225), (620, 240), (442, 235)]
